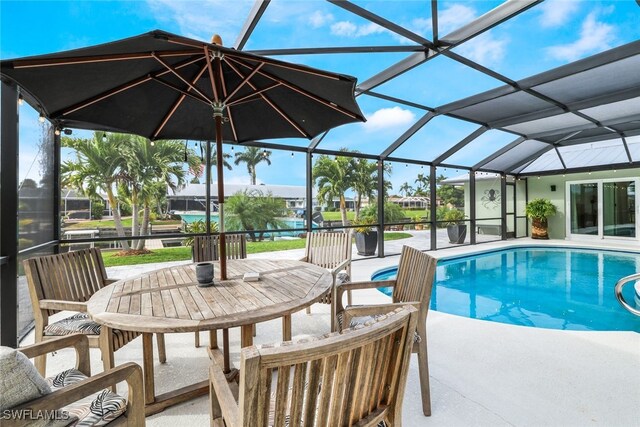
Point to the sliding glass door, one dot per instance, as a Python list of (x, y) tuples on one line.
[(584, 208), (619, 213), (603, 209)]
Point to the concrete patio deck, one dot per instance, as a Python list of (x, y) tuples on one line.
[(482, 373)]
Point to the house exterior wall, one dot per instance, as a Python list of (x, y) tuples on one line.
[(541, 188)]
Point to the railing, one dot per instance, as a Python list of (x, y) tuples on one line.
[(620, 297)]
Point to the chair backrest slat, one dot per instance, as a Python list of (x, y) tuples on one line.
[(339, 379), (71, 276), (328, 250), (207, 248), (416, 272)]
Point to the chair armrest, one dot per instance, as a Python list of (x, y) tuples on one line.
[(342, 288), (129, 372), (79, 341), (55, 304), (221, 396), (110, 281), (340, 267)]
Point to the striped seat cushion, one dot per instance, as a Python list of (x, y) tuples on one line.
[(356, 321), (79, 322), (98, 409)]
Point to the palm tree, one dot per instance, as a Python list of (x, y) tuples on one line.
[(225, 157), (149, 170), (365, 181), (423, 183), (98, 167), (334, 177), (252, 156), (406, 189)]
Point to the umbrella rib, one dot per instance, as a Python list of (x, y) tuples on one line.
[(302, 91), (243, 82), (233, 127), (253, 94), (177, 104), (207, 56), (275, 107), (104, 95), (185, 81), (34, 63)]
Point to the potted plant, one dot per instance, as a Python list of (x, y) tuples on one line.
[(416, 219), (456, 228), (366, 236), (539, 210)]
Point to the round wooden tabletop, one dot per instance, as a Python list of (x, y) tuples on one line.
[(169, 300)]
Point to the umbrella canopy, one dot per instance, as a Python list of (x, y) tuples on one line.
[(163, 86)]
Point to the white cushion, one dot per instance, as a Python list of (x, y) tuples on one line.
[(19, 380)]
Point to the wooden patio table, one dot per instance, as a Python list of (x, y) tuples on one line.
[(168, 300)]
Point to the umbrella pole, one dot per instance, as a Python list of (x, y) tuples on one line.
[(219, 169)]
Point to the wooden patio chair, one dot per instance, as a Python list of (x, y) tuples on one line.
[(207, 248), (73, 394), (66, 282), (413, 283), (330, 250), (354, 378)]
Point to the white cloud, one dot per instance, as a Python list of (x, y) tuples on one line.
[(485, 49), (594, 37), (319, 19), (203, 19), (454, 17), (387, 118), (556, 12), (349, 29)]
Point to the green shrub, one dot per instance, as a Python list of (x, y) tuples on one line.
[(97, 207)]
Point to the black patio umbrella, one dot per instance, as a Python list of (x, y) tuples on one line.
[(163, 86)]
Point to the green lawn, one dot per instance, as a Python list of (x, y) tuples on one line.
[(335, 216), (108, 223), (184, 253)]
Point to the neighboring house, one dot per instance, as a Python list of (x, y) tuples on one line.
[(192, 196), (411, 202), (75, 205)]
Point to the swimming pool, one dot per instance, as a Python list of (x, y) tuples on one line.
[(557, 288), (293, 223)]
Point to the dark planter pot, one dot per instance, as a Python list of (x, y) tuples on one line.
[(204, 273), (457, 233), (539, 227), (367, 243)]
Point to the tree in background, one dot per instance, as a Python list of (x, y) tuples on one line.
[(422, 185), (449, 194), (149, 169), (98, 167), (252, 156), (406, 189), (253, 211), (365, 181), (333, 178)]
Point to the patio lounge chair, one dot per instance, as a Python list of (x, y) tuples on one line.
[(207, 248), (413, 283), (29, 399), (331, 250), (66, 282), (354, 378)]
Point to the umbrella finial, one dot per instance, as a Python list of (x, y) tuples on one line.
[(216, 39)]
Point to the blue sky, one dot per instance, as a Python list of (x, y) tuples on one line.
[(548, 35)]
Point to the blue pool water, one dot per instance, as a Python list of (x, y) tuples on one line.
[(557, 288), (288, 222)]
